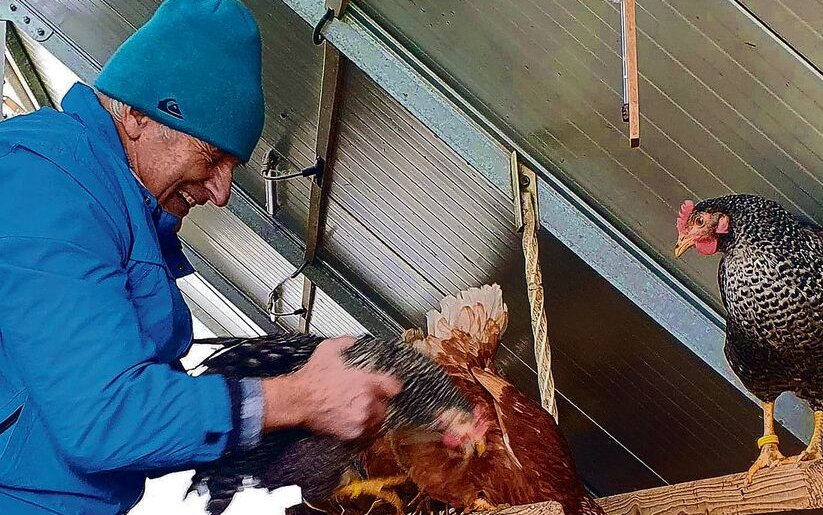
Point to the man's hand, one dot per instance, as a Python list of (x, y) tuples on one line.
[(328, 397)]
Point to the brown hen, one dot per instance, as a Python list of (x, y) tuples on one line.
[(525, 459)]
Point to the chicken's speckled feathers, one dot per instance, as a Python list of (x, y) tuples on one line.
[(314, 462)]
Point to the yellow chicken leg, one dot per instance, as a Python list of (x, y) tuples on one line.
[(483, 506), (813, 451), (378, 488), (770, 455)]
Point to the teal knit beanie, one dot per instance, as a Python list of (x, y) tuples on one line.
[(195, 66)]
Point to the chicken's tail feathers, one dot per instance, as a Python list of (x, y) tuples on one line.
[(477, 317)]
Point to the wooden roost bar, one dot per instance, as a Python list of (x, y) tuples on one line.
[(784, 489)]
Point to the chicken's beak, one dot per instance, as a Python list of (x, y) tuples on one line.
[(684, 243), (480, 447)]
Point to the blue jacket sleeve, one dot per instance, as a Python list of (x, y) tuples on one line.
[(70, 333)]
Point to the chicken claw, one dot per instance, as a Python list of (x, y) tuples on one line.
[(770, 457), (814, 451), (481, 505), (378, 488)]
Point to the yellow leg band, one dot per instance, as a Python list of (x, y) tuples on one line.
[(766, 440)]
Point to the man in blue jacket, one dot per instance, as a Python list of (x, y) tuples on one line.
[(92, 400)]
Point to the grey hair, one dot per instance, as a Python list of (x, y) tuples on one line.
[(113, 106), (118, 110)]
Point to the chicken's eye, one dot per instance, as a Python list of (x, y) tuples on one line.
[(699, 221)]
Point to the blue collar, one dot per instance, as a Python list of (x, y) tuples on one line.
[(82, 103)]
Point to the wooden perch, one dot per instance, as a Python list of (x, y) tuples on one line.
[(544, 508), (785, 488)]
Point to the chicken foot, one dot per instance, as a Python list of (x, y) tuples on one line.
[(481, 505), (770, 455), (379, 488), (813, 451)]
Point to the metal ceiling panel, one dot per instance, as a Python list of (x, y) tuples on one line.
[(799, 23), (252, 265), (719, 115), (430, 217), (213, 309), (56, 77)]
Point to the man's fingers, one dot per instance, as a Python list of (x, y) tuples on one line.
[(386, 386)]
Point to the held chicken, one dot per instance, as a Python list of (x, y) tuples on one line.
[(771, 285), (322, 466)]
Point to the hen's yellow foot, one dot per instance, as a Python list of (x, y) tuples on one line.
[(769, 458), (815, 449), (810, 454), (377, 488), (483, 506)]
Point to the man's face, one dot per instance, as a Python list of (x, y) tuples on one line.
[(179, 170)]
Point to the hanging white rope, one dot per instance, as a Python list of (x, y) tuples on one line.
[(524, 181)]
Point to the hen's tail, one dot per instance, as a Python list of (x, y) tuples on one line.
[(470, 323)]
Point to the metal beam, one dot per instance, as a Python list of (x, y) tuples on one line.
[(324, 150), (564, 213), (24, 68), (3, 28)]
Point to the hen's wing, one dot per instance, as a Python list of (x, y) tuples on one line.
[(532, 439), (466, 330)]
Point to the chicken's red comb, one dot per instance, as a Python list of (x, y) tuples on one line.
[(686, 209)]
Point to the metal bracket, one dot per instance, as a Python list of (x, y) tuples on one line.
[(270, 162), (25, 19), (334, 9), (523, 180), (276, 168), (271, 304)]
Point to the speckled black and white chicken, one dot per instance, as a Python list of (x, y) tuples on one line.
[(321, 465), (771, 284)]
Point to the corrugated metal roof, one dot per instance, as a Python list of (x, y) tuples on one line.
[(432, 225), (797, 22)]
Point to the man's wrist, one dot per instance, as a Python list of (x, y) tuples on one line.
[(282, 405)]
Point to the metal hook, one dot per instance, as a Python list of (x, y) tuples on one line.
[(315, 170), (317, 36), (273, 296)]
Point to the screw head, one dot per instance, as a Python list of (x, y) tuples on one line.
[(13, 7), (26, 19), (41, 32), (524, 181)]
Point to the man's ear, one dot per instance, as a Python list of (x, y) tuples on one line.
[(134, 122)]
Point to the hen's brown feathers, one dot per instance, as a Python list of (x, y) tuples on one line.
[(526, 458)]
